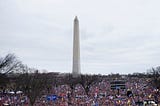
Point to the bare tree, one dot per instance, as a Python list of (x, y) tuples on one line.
[(4, 80), (88, 80), (72, 82), (9, 64), (32, 84), (155, 75), (52, 81)]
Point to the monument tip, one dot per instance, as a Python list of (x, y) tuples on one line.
[(76, 18)]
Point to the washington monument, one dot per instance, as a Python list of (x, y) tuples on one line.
[(76, 49)]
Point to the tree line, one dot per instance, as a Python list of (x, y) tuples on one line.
[(17, 76)]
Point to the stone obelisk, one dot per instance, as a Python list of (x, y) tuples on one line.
[(76, 49)]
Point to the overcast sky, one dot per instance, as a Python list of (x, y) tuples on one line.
[(116, 36)]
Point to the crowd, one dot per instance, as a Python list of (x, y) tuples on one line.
[(137, 92)]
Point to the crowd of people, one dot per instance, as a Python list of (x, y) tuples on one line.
[(137, 92)]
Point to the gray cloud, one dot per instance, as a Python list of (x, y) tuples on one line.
[(116, 36)]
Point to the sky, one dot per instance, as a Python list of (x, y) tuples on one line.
[(116, 36)]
